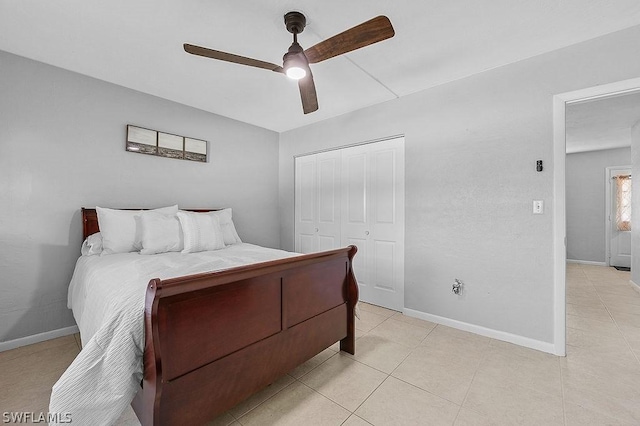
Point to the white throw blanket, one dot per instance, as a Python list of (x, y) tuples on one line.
[(107, 295)]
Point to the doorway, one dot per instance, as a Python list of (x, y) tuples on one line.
[(560, 103)]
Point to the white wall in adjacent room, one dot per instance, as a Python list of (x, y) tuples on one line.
[(586, 204)]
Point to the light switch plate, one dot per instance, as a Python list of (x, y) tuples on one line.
[(538, 206)]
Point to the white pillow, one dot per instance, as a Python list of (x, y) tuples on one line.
[(92, 245), (161, 233), (119, 231), (201, 232), (226, 224)]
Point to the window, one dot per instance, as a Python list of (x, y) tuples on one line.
[(623, 202)]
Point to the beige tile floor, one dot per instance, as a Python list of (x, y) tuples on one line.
[(413, 372)]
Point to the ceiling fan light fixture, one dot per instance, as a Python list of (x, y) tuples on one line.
[(294, 62), (295, 72)]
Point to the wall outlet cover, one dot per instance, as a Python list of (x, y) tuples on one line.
[(538, 206)]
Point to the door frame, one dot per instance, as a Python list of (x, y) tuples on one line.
[(608, 211), (560, 102)]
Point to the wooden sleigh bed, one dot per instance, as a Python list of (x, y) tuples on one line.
[(213, 339)]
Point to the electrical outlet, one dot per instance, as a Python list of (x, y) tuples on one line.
[(538, 207)]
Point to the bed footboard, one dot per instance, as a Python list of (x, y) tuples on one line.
[(214, 339)]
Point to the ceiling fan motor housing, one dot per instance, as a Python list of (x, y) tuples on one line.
[(294, 58), (295, 22)]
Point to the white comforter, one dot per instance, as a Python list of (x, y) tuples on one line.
[(107, 296)]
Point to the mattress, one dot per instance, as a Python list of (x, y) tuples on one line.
[(107, 295)]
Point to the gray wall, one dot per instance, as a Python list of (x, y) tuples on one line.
[(471, 151), (62, 147), (586, 204)]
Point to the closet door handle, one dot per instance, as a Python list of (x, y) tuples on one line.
[(317, 229), (366, 232)]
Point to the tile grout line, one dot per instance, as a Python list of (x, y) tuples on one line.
[(390, 374), (601, 412), (432, 393), (340, 405), (564, 401), (562, 387), (369, 396), (615, 322), (466, 394), (353, 359), (410, 352), (354, 414), (564, 408), (237, 419), (295, 379)]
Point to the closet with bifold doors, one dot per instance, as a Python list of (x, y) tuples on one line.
[(355, 195)]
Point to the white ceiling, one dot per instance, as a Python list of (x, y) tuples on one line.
[(602, 123), (138, 44)]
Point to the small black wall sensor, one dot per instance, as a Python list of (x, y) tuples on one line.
[(539, 165)]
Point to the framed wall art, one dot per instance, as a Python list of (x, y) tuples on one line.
[(153, 142)]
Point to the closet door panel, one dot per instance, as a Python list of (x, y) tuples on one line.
[(328, 166), (355, 185), (305, 243), (327, 243), (305, 205), (387, 222), (384, 256), (382, 222), (327, 185), (359, 263), (376, 194), (307, 191), (355, 212), (317, 202), (384, 181)]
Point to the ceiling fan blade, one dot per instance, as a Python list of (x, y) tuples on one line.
[(230, 57), (372, 31), (308, 93)]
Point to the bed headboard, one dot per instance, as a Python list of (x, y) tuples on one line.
[(90, 219), (89, 222)]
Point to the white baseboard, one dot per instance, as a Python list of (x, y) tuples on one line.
[(483, 331), (37, 338), (587, 262), (635, 286)]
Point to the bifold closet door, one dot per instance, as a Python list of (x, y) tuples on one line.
[(373, 219), (355, 196), (317, 202)]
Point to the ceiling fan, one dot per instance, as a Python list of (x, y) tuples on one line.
[(296, 61)]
